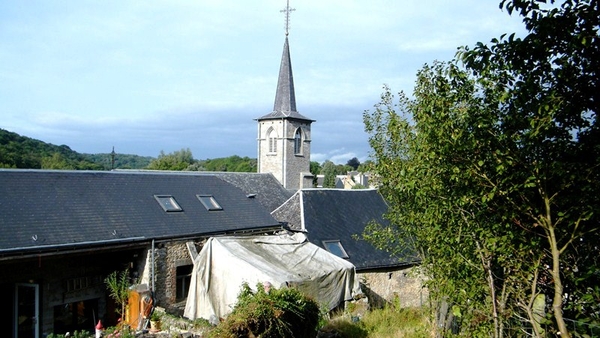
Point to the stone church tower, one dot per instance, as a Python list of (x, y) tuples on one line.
[(284, 134)]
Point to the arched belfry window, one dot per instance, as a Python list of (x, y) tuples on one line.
[(298, 141), (272, 140)]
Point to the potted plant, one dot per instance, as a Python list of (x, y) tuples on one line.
[(154, 321)]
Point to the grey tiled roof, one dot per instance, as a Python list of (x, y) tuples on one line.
[(336, 214), (266, 188), (45, 209), (291, 212)]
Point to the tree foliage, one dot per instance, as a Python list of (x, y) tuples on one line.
[(491, 172), (121, 161), (22, 152), (232, 164), (354, 163), (177, 160), (328, 170), (118, 284)]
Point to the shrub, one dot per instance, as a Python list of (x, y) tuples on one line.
[(118, 285), (76, 334), (284, 312)]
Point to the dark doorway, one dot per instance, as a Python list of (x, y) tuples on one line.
[(80, 316)]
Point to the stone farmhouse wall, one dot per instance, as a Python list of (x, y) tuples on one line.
[(167, 257), (400, 286)]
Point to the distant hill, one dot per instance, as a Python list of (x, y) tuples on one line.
[(23, 152), (122, 161)]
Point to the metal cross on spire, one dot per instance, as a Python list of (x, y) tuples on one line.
[(287, 10)]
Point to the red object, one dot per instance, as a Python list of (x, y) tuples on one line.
[(99, 325)]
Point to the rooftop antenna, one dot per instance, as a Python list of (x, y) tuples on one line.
[(287, 10)]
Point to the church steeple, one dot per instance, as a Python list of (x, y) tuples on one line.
[(285, 97), (284, 134)]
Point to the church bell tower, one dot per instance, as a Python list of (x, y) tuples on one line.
[(284, 134)]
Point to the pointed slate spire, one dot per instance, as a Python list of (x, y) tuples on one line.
[(285, 97)]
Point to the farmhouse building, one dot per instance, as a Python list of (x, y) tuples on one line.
[(63, 232), (335, 220)]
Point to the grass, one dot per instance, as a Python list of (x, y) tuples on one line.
[(387, 322)]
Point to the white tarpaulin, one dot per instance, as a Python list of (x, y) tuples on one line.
[(225, 263)]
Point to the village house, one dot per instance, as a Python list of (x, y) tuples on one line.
[(335, 220)]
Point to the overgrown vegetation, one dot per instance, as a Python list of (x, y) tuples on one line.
[(284, 312), (383, 323), (491, 171)]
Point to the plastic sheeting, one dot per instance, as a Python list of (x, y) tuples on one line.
[(225, 263)]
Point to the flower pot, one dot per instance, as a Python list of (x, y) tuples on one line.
[(154, 325)]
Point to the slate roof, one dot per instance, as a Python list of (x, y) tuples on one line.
[(266, 188), (285, 97), (337, 214), (42, 210)]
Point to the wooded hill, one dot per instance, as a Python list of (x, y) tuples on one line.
[(23, 152)]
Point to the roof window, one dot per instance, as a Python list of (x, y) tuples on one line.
[(209, 202), (168, 203), (336, 248)]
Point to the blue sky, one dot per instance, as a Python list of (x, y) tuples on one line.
[(146, 76)]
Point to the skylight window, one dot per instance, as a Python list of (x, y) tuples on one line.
[(336, 248), (209, 202), (168, 203)]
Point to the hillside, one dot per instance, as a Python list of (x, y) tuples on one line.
[(23, 152)]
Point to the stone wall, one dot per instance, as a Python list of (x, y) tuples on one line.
[(167, 257), (399, 286)]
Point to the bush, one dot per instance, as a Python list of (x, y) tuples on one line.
[(76, 334), (284, 312)]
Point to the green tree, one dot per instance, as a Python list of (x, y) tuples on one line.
[(118, 286), (177, 160), (490, 173), (56, 161), (549, 82), (315, 169), (328, 170), (232, 163), (354, 163), (365, 166)]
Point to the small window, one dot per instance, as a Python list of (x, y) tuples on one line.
[(272, 140), (336, 248), (298, 142), (168, 203), (209, 202), (184, 277)]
